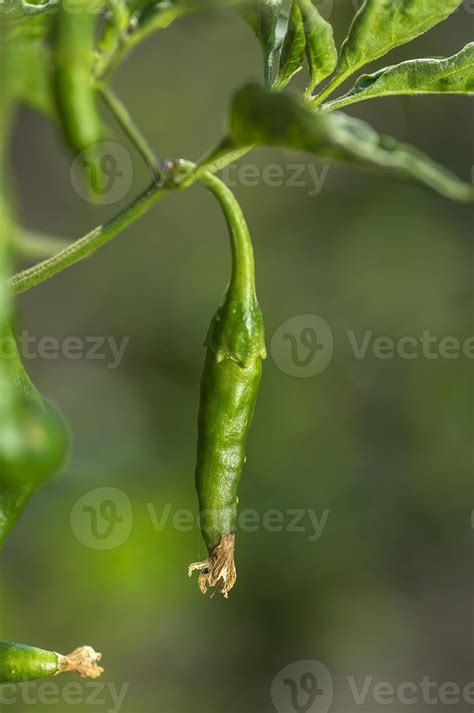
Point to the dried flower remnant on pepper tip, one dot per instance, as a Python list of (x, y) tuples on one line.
[(83, 660), (219, 569)]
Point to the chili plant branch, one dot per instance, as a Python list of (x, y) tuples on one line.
[(99, 236), (132, 36), (316, 100), (88, 244), (121, 114)]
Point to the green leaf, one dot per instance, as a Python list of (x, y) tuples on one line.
[(19, 10), (151, 16), (381, 25), (115, 23), (268, 14), (262, 118), (121, 33), (451, 75), (321, 52), (159, 16), (293, 50)]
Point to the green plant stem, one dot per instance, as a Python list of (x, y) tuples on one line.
[(126, 41), (329, 89), (125, 121), (243, 268), (88, 244), (268, 72)]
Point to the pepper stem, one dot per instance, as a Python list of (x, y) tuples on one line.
[(219, 568), (243, 267), (83, 660)]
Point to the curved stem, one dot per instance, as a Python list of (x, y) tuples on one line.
[(88, 244), (330, 88), (243, 266), (170, 182)]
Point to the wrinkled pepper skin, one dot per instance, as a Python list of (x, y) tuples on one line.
[(228, 395), (19, 663)]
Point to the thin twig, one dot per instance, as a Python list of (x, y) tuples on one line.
[(132, 36), (88, 244), (124, 119), (171, 181)]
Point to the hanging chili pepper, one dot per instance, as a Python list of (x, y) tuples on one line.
[(229, 387), (34, 439), (73, 75)]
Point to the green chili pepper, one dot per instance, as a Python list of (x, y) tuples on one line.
[(32, 444), (229, 387), (34, 438), (73, 78), (19, 663), (33, 435)]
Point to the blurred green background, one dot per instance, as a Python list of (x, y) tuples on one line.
[(384, 445)]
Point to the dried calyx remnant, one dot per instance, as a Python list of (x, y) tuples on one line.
[(219, 569), (83, 660)]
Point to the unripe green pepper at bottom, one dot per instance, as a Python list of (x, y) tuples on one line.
[(20, 663), (33, 443), (34, 438)]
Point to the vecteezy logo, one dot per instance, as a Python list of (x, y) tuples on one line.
[(102, 173), (102, 519), (107, 168), (303, 687), (308, 684), (303, 346), (108, 513)]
